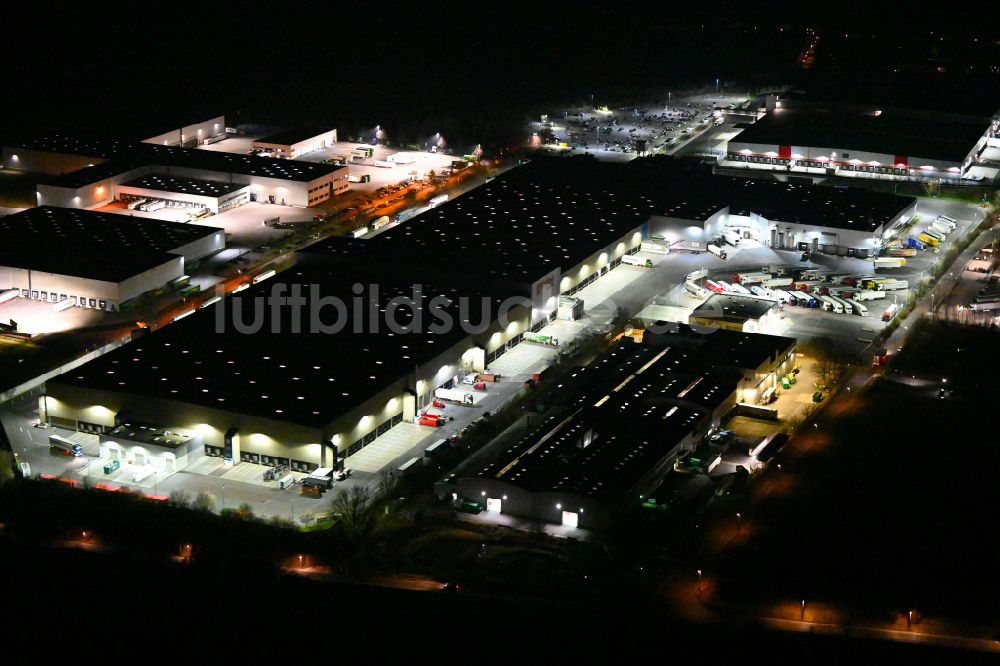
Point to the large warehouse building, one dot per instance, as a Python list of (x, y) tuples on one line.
[(48, 254), (291, 390), (93, 173), (792, 216), (55, 153), (265, 180), (534, 233), (864, 141), (618, 431)]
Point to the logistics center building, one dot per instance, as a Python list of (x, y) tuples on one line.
[(621, 423), (537, 232), (821, 139), (51, 254), (90, 173)]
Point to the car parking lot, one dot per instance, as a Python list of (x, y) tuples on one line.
[(619, 134)]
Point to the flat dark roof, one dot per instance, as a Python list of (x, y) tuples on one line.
[(292, 136), (305, 378), (87, 244), (735, 308), (638, 405), (817, 205), (134, 155), (890, 131), (69, 143), (551, 213), (726, 349), (98, 172), (205, 188)]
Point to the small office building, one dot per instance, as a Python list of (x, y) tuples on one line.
[(294, 143), (746, 314)]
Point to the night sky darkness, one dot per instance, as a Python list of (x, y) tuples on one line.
[(470, 71)]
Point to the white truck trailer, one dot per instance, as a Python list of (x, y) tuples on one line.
[(461, 396), (889, 262), (717, 251)]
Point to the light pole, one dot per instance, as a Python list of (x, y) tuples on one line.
[(802, 611), (223, 497), (292, 501)]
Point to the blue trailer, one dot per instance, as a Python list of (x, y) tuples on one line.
[(915, 243)]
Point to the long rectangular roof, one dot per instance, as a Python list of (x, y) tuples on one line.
[(69, 143), (631, 412), (205, 188), (87, 244), (556, 212), (947, 137), (846, 208), (290, 137), (308, 378), (127, 156), (550, 213)]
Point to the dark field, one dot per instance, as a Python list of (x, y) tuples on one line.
[(893, 506)]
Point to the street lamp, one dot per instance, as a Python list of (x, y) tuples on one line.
[(802, 610), (223, 496)]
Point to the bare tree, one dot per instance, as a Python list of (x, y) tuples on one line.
[(831, 362), (245, 511), (179, 498), (386, 483), (204, 501), (353, 511)]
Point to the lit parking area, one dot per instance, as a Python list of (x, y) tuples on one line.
[(245, 226), (248, 472), (616, 134), (414, 164), (524, 359), (596, 293), (397, 442), (125, 472)]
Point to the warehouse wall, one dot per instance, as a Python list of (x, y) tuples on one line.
[(75, 404), (199, 131), (151, 279), (93, 195), (62, 284), (202, 247), (599, 259)]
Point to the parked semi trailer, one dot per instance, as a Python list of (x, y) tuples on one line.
[(717, 251), (869, 295), (889, 262), (750, 278)]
